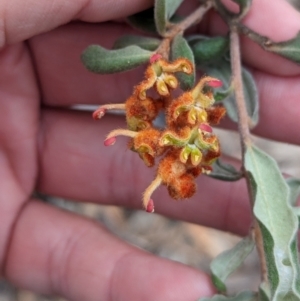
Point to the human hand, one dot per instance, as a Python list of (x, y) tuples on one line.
[(59, 152)]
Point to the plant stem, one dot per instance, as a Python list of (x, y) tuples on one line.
[(193, 18), (243, 123), (176, 29), (263, 41), (237, 82)]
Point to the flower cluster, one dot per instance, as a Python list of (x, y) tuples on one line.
[(187, 146)]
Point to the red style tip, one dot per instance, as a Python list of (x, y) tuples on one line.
[(150, 206), (155, 57), (215, 83), (110, 141), (99, 113), (205, 127)]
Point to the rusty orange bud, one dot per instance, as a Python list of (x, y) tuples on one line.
[(150, 206), (215, 114), (183, 187), (147, 158), (150, 79), (155, 57), (110, 141), (179, 105), (195, 171), (179, 65)]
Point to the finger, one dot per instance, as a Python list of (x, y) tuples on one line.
[(24, 19), (63, 78), (18, 124), (263, 19), (75, 164), (55, 252)]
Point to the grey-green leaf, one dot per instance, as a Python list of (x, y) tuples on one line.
[(243, 296), (143, 21), (163, 11), (294, 190), (222, 71), (278, 224), (181, 48), (289, 49), (146, 43), (207, 49), (225, 172), (100, 60), (227, 262)]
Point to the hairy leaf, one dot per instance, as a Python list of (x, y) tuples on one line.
[(243, 296), (181, 48), (207, 49), (278, 224), (143, 21), (100, 60), (289, 49), (224, 171), (222, 71), (144, 42), (227, 262), (163, 11), (294, 190)]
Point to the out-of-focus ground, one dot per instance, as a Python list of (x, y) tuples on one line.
[(191, 244)]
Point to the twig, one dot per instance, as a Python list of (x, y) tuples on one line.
[(175, 29), (238, 87), (244, 131)]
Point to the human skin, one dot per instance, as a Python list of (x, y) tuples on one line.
[(45, 146)]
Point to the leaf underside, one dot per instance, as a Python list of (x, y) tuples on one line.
[(278, 224)]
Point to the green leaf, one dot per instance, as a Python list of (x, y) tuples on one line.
[(222, 71), (163, 11), (224, 171), (143, 21), (222, 95), (100, 60), (243, 296), (278, 224), (227, 262), (207, 50), (289, 49), (146, 43), (294, 190), (181, 48)]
